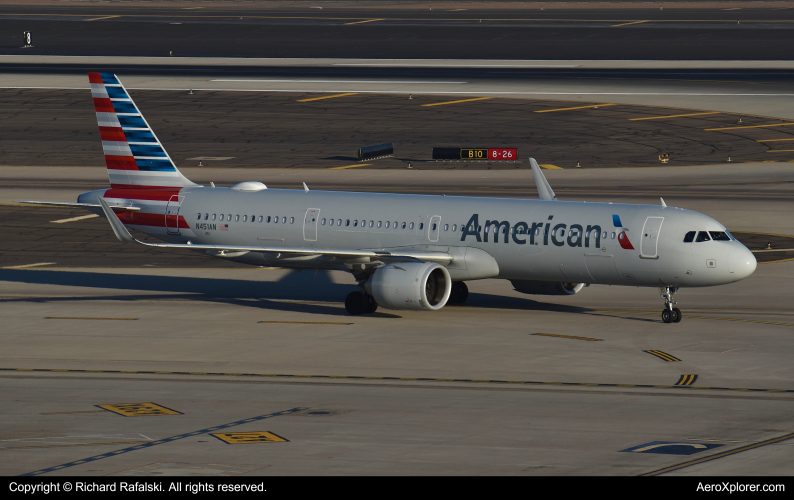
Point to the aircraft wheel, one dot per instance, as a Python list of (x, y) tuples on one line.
[(356, 303), (667, 316), (459, 294), (676, 315), (372, 306)]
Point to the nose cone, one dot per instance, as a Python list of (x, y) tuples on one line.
[(742, 262)]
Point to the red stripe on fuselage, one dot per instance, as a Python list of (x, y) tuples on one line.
[(95, 78), (102, 105), (141, 193), (145, 219), (112, 134), (120, 162)]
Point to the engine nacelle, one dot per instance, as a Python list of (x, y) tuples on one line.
[(546, 287), (410, 285)]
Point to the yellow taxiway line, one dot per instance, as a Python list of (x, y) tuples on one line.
[(327, 97), (592, 106)]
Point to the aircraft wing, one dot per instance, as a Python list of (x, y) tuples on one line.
[(75, 205), (124, 235)]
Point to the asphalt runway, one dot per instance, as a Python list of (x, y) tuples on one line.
[(398, 31), (48, 127)]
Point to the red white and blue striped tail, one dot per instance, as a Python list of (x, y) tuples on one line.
[(133, 154)]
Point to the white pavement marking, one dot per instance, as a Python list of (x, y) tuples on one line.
[(337, 81), (89, 216), (30, 265)]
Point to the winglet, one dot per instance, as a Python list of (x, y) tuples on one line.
[(544, 189), (118, 228)]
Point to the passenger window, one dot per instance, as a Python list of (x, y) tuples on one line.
[(284, 220), (614, 234), (236, 218), (395, 224), (331, 222), (339, 222), (446, 227), (702, 236), (719, 236), (199, 217), (379, 223), (323, 222), (292, 220), (275, 220), (213, 216), (253, 218), (421, 225), (355, 223), (371, 223), (221, 217), (434, 227), (229, 217), (387, 224), (347, 222), (260, 218), (689, 237), (206, 216), (411, 226), (403, 225), (245, 218)]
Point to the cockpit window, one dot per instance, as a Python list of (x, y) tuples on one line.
[(719, 236), (702, 236), (690, 237)]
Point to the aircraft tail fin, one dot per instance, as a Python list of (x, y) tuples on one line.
[(133, 154)]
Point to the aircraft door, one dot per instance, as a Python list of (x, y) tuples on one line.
[(650, 237), (434, 227), (172, 214), (310, 224)]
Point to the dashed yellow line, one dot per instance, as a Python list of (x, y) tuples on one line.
[(456, 102), (674, 116), (780, 150), (367, 21), (775, 140), (100, 18), (356, 165), (74, 219), (549, 166), (592, 106), (91, 318), (629, 24), (751, 126), (327, 97)]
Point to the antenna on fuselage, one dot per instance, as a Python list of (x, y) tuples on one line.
[(664, 205), (544, 189), (305, 188)]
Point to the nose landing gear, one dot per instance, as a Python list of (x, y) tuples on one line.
[(670, 314)]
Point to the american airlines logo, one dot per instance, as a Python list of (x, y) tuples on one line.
[(577, 235)]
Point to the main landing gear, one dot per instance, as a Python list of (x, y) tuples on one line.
[(670, 314), (358, 303), (459, 293)]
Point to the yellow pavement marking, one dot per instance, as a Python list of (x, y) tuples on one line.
[(774, 140), (780, 150), (592, 106), (748, 320), (628, 24), (567, 337), (88, 317), (674, 116), (249, 437), (327, 97), (549, 166), (751, 126), (662, 355), (456, 102), (776, 261), (139, 409), (351, 166), (100, 18), (367, 21), (89, 216), (308, 322), (719, 455), (67, 445), (25, 266), (687, 380)]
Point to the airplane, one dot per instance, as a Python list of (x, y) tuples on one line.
[(406, 252)]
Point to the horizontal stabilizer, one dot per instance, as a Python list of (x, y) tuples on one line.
[(75, 205)]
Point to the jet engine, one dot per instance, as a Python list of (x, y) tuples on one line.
[(410, 285), (546, 287)]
